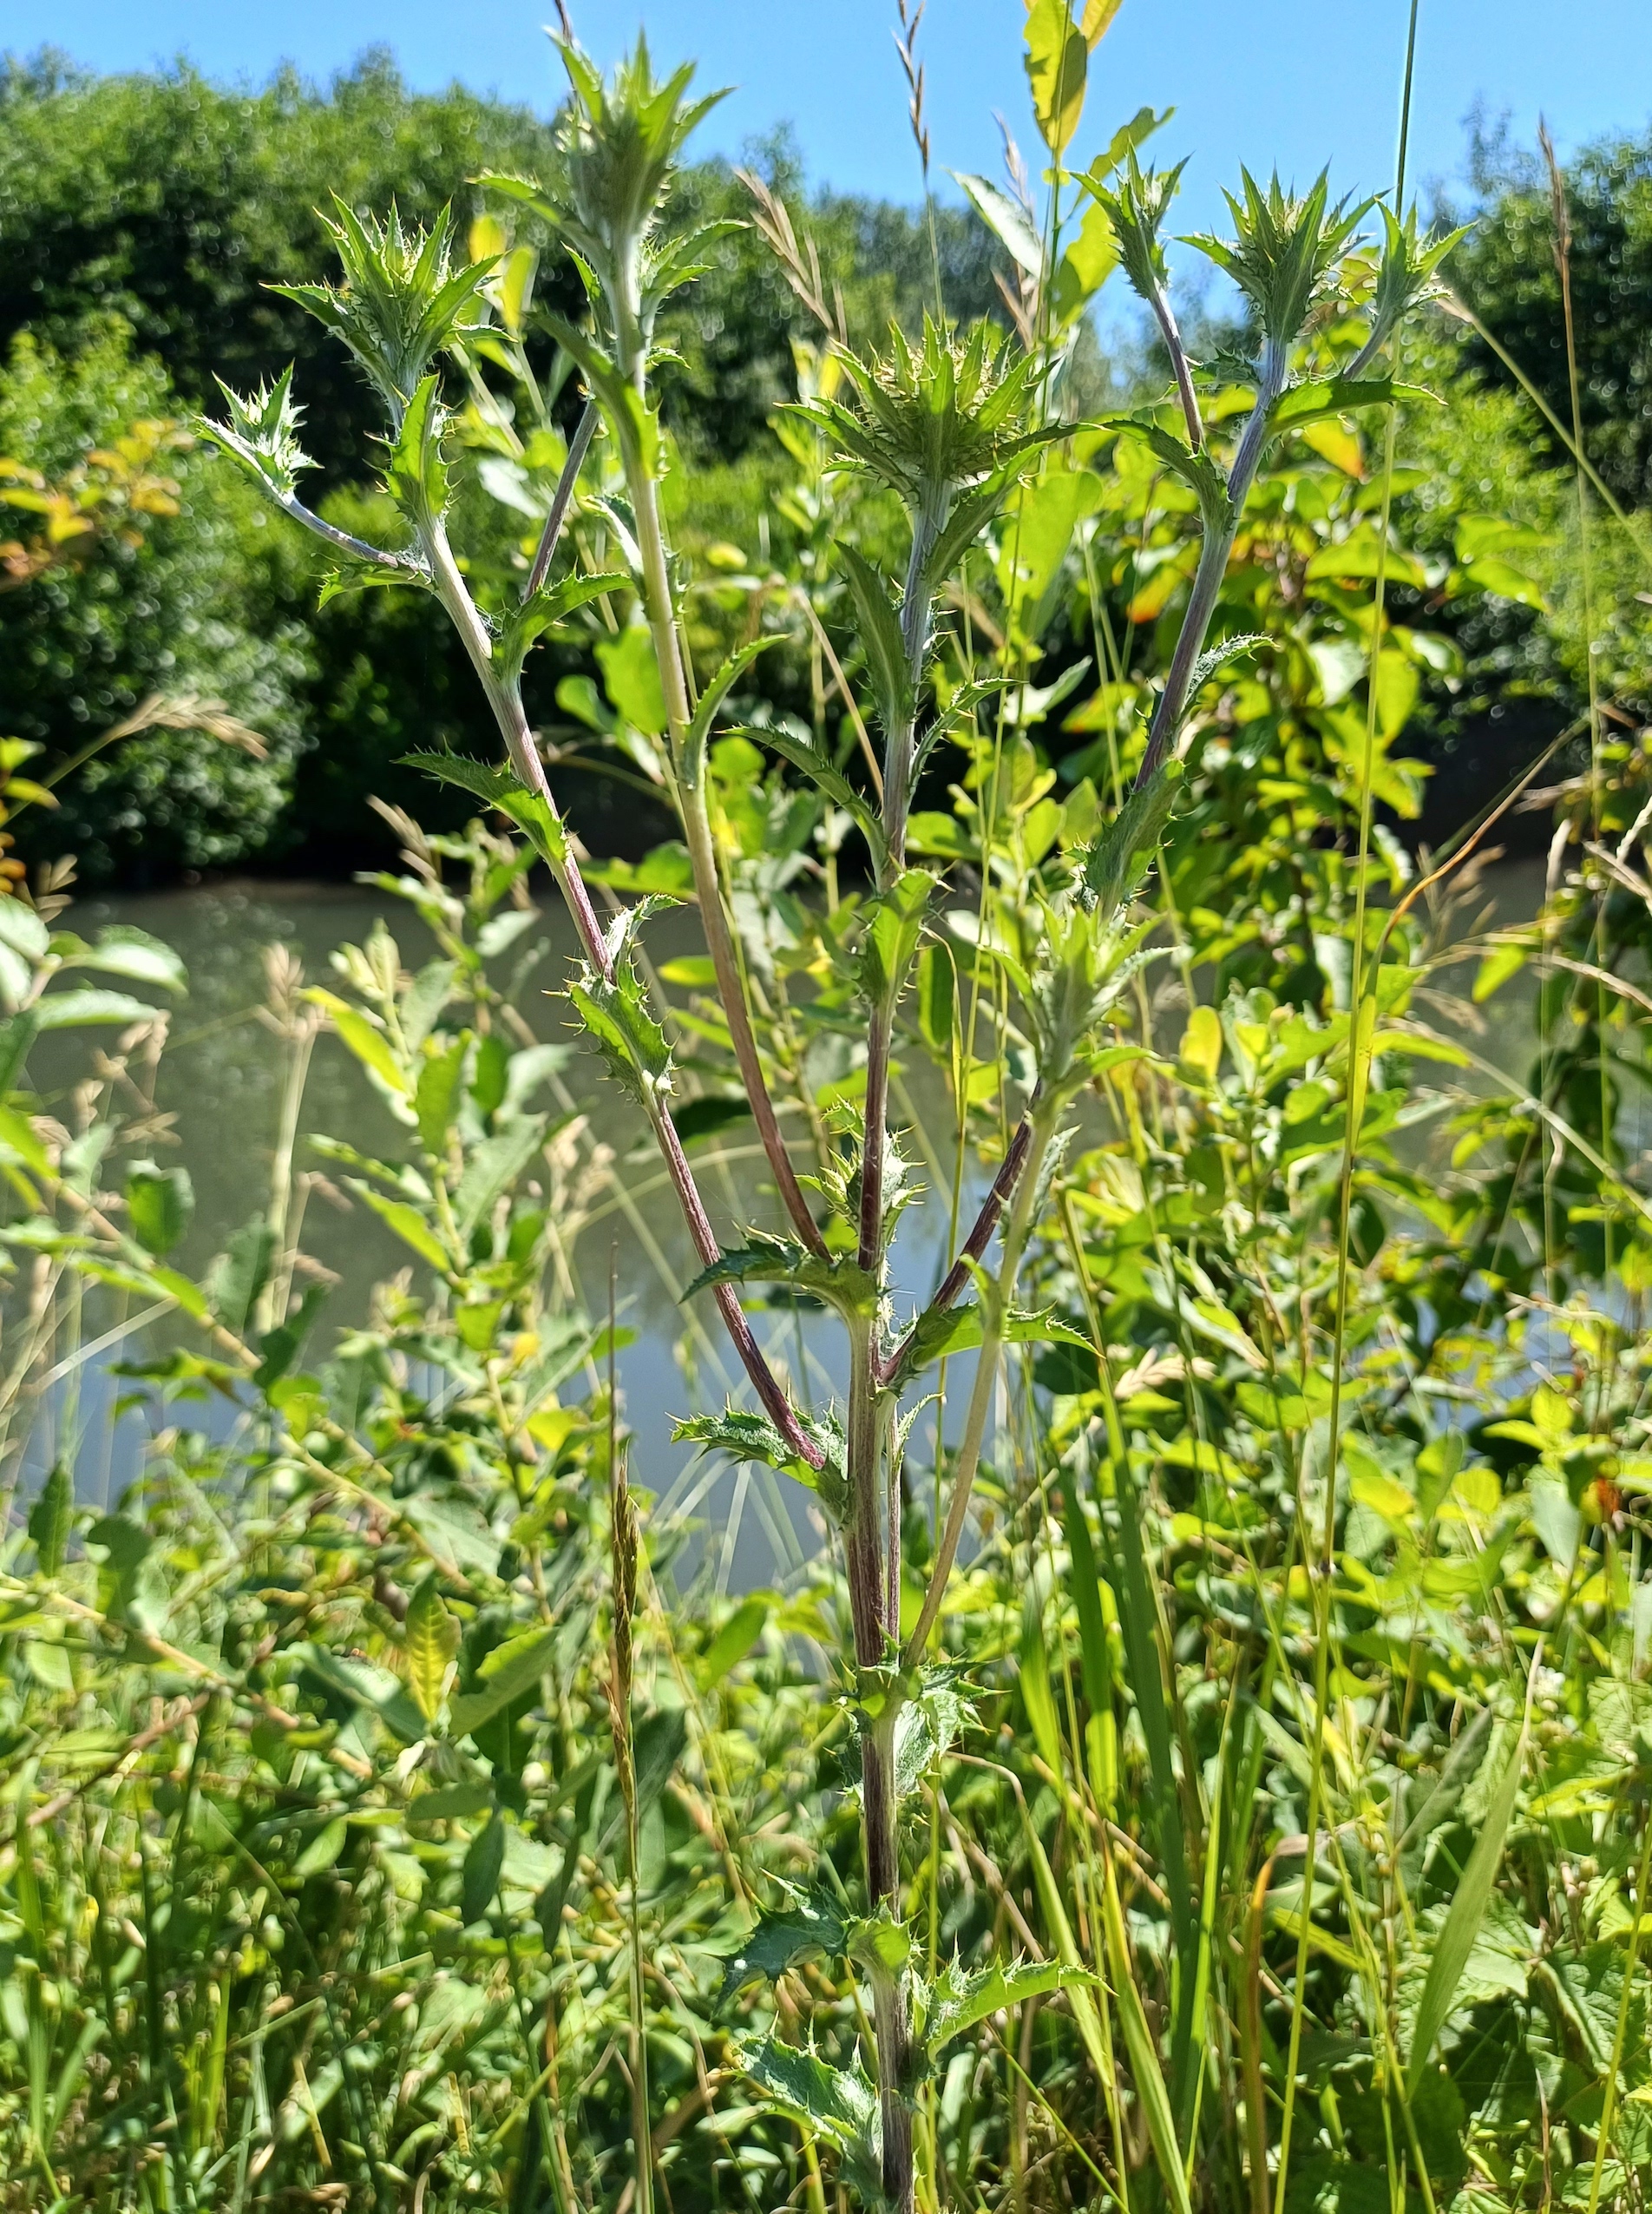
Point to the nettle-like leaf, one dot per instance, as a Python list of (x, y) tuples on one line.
[(931, 1721), (52, 1517), (429, 1644), (839, 2104), (768, 1259), (745, 1435), (814, 1924), (615, 1011), (160, 1203)]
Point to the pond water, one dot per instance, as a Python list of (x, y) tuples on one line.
[(221, 1082)]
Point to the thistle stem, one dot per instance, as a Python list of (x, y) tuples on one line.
[(1213, 568), (507, 705), (697, 825)]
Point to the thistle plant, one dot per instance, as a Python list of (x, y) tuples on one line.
[(950, 425)]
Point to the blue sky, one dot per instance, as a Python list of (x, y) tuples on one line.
[(1292, 82)]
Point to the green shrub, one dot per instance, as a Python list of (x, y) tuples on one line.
[(184, 603)]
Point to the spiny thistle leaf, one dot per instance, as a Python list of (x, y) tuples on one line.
[(262, 434), (879, 628), (402, 301), (801, 753), (838, 2104), (1285, 251), (814, 1924), (1137, 208), (523, 626), (767, 1260), (947, 415), (498, 788), (614, 1009), (892, 932), (959, 1999), (710, 702), (1116, 861), (744, 1435)]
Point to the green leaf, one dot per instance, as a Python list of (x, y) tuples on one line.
[(430, 1641), (324, 1849), (160, 1203), (959, 2002), (699, 728), (1456, 1940), (433, 1096), (529, 810), (1006, 219), (744, 1435), (524, 626), (510, 1671), (631, 679), (426, 997), (239, 1275), (1143, 2052), (369, 1045), (936, 993), (16, 1036), (18, 1136), (1117, 862), (735, 1640), (494, 1167), (709, 1115), (23, 930), (75, 1009), (417, 478), (768, 1259), (815, 1925), (879, 630), (482, 1863), (409, 1225), (839, 2104), (279, 1348), (122, 951), (1056, 61), (52, 1517)]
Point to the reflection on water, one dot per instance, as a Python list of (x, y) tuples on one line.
[(220, 1081)]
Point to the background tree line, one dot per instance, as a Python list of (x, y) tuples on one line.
[(143, 220)]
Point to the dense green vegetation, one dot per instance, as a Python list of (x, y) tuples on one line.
[(167, 207), (1201, 1758)]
